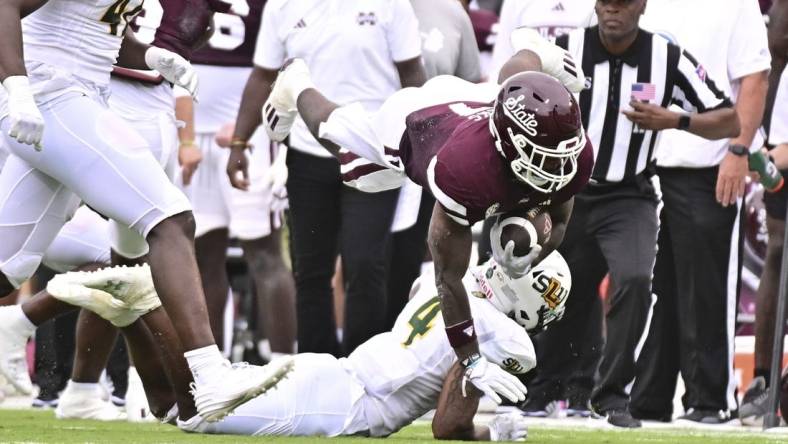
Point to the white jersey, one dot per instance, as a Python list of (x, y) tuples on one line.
[(135, 100), (78, 36), (403, 370), (550, 18)]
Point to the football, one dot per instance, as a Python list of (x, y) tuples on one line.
[(512, 230)]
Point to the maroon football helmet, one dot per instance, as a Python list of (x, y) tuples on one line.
[(537, 129)]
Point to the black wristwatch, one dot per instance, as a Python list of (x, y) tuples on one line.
[(684, 122), (738, 149)]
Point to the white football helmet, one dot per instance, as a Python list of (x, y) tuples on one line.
[(534, 300)]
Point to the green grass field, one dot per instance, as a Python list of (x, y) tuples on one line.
[(26, 426)]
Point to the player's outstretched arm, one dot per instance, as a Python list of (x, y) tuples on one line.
[(450, 244), (454, 415)]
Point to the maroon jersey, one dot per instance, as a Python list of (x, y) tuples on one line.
[(233, 40), (484, 22), (175, 25), (455, 157)]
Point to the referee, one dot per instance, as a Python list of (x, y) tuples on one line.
[(633, 76)]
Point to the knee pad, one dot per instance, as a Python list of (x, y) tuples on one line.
[(127, 242), (21, 267)]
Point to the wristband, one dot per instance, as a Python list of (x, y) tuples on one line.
[(684, 122), (188, 143), (738, 149), (470, 360), (461, 333), (237, 142)]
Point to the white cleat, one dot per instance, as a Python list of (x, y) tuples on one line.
[(118, 294), (555, 60), (137, 408), (239, 384), (85, 403), (195, 424), (13, 354), (280, 110)]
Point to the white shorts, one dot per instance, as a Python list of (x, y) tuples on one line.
[(318, 398), (150, 110), (248, 214), (83, 240), (88, 153)]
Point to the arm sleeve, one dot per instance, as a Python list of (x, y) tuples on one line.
[(748, 50), (402, 33), (778, 131), (468, 65), (694, 91), (509, 21), (269, 51), (504, 342)]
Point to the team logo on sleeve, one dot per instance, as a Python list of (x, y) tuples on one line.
[(512, 365)]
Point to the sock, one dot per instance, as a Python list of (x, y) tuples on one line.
[(766, 373), (204, 363), (277, 355), (83, 387), (264, 349), (19, 322)]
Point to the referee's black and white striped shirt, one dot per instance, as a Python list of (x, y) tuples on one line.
[(622, 150)]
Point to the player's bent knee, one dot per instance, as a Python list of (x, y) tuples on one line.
[(181, 224)]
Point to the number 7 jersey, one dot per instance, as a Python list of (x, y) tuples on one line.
[(403, 370), (79, 37)]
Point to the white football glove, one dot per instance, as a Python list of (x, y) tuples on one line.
[(555, 60), (491, 380), (508, 427), (27, 123), (173, 67), (514, 266)]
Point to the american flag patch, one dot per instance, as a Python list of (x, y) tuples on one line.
[(644, 92)]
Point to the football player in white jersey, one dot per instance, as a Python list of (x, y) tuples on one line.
[(65, 142), (395, 377)]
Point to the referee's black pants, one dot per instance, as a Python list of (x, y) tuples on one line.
[(329, 218), (696, 280), (614, 225)]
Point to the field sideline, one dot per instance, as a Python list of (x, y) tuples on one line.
[(31, 426)]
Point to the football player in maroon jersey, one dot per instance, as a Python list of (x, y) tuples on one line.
[(480, 155)]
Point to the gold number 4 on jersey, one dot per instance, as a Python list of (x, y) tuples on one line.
[(117, 13), (423, 319)]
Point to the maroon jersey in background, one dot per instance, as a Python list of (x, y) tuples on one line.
[(484, 22), (455, 157), (233, 40), (175, 25)]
